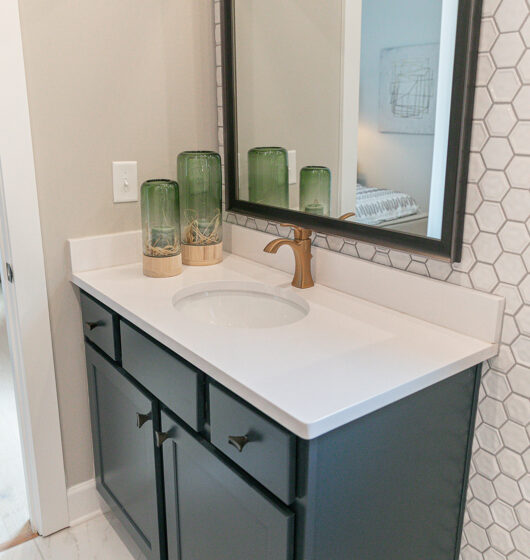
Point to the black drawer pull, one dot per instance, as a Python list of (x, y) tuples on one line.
[(161, 438), (238, 442), (141, 419), (93, 324)]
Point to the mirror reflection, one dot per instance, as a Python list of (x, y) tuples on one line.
[(343, 108)]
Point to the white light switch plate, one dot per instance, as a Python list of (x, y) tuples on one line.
[(292, 166), (125, 181)]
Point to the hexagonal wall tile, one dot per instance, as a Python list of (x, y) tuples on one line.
[(497, 153), (517, 408), (482, 489), (520, 138), (524, 290), (522, 512), (494, 185), (504, 85), (519, 172), (477, 536), (511, 15), (516, 204), (501, 119), (521, 102), (521, 350), (496, 385), (500, 539), (523, 322), (512, 297), (489, 438), (490, 217), (489, 7), (485, 69), (483, 277), (524, 67), (479, 513), (483, 102), (507, 50), (511, 464), (514, 237), (492, 412), (476, 168), (509, 330), (507, 489), (488, 34), (514, 436), (470, 229), (525, 32), (487, 247), (519, 380), (510, 268), (478, 136), (504, 515)]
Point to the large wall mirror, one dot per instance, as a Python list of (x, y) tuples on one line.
[(352, 117)]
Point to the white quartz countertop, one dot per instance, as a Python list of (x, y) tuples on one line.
[(345, 359)]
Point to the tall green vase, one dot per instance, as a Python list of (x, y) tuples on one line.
[(200, 180), (268, 176), (161, 228)]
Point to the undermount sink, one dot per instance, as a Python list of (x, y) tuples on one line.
[(240, 304)]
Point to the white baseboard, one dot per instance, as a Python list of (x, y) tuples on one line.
[(84, 502)]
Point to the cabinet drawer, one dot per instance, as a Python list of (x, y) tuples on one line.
[(268, 450), (171, 379), (99, 326)]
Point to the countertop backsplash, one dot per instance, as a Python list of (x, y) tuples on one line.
[(495, 259)]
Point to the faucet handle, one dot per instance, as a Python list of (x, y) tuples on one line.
[(300, 233)]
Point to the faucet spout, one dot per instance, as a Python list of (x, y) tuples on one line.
[(301, 246), (275, 244)]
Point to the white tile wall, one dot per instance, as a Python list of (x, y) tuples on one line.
[(496, 258)]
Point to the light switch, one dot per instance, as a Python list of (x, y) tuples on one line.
[(125, 181), (292, 166)]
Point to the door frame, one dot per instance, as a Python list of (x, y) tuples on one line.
[(27, 314)]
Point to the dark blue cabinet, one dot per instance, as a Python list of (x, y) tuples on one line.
[(212, 512), (193, 472), (124, 453)]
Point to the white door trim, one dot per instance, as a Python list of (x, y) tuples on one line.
[(27, 300)]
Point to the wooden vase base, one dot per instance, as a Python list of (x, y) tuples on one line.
[(202, 255), (162, 267)]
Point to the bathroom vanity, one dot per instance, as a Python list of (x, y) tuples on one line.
[(280, 443)]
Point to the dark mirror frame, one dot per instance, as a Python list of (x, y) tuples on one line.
[(449, 247)]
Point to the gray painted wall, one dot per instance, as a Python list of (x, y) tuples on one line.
[(107, 81)]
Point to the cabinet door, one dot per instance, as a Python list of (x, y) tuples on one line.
[(212, 513), (124, 454)]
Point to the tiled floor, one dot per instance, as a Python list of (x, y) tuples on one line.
[(93, 540), (13, 503)]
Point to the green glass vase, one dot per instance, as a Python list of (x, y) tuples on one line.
[(315, 190), (268, 176), (161, 227), (200, 180)]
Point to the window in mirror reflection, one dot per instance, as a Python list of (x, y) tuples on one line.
[(343, 107)]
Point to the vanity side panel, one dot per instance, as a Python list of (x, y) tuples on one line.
[(391, 484)]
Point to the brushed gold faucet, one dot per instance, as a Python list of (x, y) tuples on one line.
[(301, 246)]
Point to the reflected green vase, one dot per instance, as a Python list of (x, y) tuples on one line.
[(268, 176), (315, 190), (200, 180)]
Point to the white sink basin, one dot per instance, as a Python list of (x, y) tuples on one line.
[(240, 304)]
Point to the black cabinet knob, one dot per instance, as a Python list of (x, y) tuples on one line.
[(141, 419), (160, 438), (238, 442), (93, 324)]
